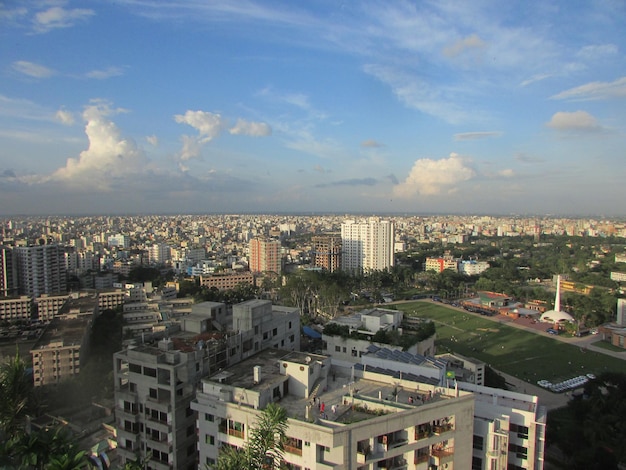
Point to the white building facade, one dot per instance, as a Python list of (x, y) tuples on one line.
[(367, 246)]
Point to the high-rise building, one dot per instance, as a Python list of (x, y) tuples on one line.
[(41, 269), (327, 252), (367, 246), (8, 272), (265, 256)]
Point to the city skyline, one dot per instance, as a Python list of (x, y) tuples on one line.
[(190, 107)]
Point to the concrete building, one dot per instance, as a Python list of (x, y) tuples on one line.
[(15, 308), (262, 325), (361, 421), (509, 429), (265, 256), (472, 267), (327, 252), (227, 281), (463, 369), (441, 264), (48, 306), (153, 387), (367, 246), (8, 272), (357, 332), (41, 270), (61, 350)]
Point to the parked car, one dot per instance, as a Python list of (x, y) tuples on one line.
[(552, 331)]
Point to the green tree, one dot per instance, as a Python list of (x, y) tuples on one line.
[(16, 396), (265, 447)]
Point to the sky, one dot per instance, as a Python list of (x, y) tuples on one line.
[(216, 106)]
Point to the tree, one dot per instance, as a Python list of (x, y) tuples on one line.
[(16, 396), (265, 447)]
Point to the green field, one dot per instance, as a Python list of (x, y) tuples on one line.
[(526, 355)]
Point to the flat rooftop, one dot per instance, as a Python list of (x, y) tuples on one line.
[(68, 331), (341, 387)]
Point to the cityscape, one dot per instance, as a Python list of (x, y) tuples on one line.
[(312, 235)]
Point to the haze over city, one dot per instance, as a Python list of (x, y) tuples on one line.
[(218, 106)]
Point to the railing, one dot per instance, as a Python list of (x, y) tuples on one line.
[(441, 428), (293, 449), (423, 434), (421, 458), (443, 452)]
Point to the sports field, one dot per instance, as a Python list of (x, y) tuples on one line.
[(523, 354)]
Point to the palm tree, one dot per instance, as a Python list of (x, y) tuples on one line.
[(265, 447), (16, 396), (68, 461)]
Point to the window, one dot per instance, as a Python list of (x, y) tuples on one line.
[(520, 451), (337, 349), (209, 417), (153, 393), (522, 431), (275, 332), (290, 325), (135, 368), (477, 463), (209, 439), (292, 338), (478, 442), (188, 412), (149, 371)]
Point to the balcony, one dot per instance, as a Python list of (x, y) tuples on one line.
[(293, 449), (443, 455), (441, 428)]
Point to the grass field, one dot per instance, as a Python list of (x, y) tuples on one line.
[(517, 352)]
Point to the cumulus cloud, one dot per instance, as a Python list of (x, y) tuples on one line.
[(208, 125), (65, 117), (463, 45), (507, 173), (575, 121), (105, 73), (59, 17), (371, 143), (431, 177), (109, 155), (152, 140), (254, 129), (476, 135), (31, 69), (595, 91)]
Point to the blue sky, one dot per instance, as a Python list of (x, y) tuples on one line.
[(134, 106)]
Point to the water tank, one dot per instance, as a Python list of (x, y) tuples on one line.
[(257, 374)]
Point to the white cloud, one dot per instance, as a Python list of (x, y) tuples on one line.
[(476, 135), (254, 129), (105, 73), (59, 17), (595, 91), (417, 94), (192, 146), (598, 51), (463, 45), (431, 177), (208, 125), (575, 121), (65, 117), (507, 173), (108, 157), (32, 70), (152, 140)]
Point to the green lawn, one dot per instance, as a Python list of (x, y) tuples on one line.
[(520, 353)]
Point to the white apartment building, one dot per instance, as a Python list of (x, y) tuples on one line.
[(15, 308), (41, 269), (472, 267), (361, 421), (366, 324), (509, 429), (367, 246)]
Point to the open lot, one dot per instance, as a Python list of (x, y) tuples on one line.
[(526, 355)]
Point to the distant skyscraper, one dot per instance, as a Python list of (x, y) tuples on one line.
[(367, 246), (327, 252), (41, 269), (8, 272), (265, 256)]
